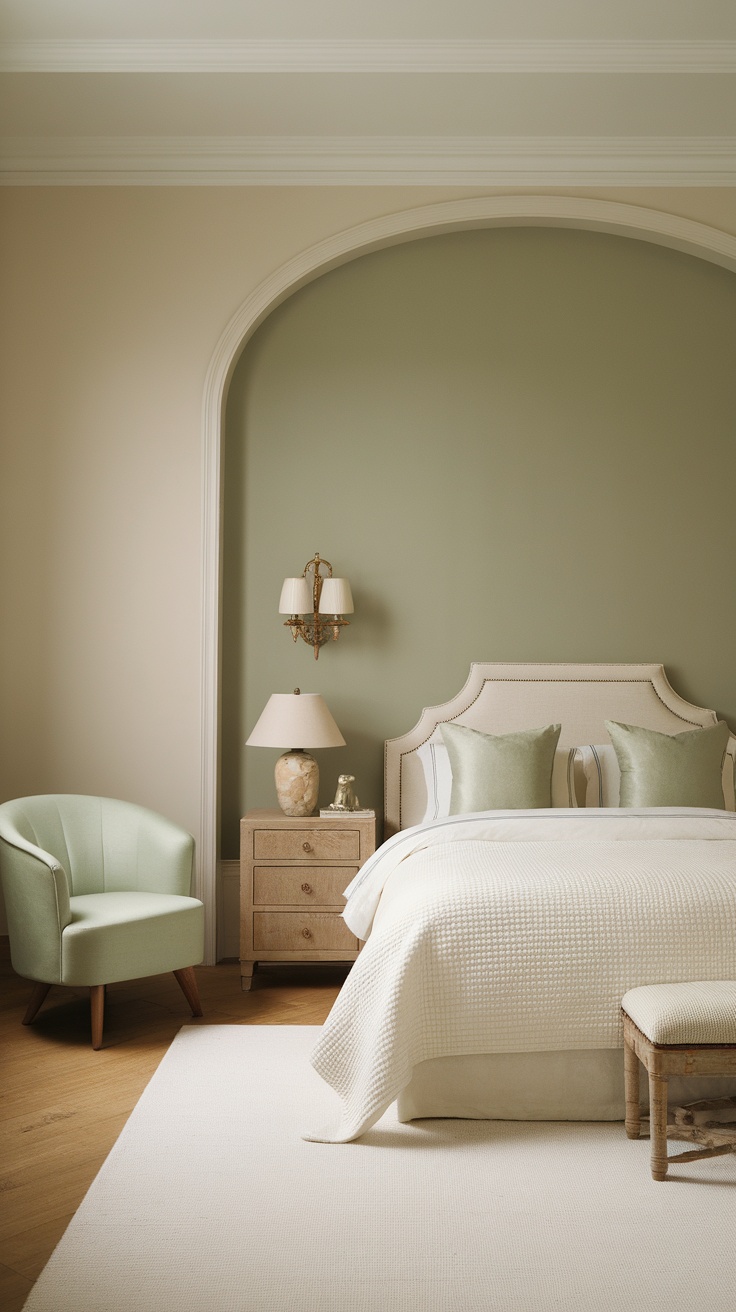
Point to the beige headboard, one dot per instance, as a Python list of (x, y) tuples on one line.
[(506, 698)]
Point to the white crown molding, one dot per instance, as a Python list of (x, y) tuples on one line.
[(369, 161), (368, 56)]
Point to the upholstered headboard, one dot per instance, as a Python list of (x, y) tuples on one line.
[(506, 698)]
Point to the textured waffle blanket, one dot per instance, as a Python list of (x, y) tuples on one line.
[(520, 932)]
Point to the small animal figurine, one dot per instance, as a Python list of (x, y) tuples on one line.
[(345, 799)]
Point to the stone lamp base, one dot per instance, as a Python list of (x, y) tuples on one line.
[(297, 782)]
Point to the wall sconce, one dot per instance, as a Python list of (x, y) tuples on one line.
[(316, 604)]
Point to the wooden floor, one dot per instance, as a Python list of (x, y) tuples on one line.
[(62, 1106)]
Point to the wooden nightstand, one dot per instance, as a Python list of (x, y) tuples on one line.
[(292, 876)]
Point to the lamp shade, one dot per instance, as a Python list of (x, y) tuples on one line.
[(336, 598), (296, 598), (295, 719)]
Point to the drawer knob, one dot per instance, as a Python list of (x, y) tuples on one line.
[(306, 888), (306, 933), (307, 847)]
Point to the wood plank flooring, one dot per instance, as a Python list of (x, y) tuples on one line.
[(62, 1106)]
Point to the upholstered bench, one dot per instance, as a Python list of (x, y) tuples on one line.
[(680, 1029)]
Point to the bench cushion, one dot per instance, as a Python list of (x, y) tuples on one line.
[(702, 1012)]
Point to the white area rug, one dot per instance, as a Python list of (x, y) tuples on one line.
[(211, 1201)]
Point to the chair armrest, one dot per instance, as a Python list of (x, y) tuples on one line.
[(165, 855), (36, 892)]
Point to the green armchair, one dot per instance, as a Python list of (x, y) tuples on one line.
[(96, 891)]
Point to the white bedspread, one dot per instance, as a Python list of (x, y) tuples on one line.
[(519, 932)]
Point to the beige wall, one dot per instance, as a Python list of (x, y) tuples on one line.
[(112, 303)]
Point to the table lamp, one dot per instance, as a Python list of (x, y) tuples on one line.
[(296, 720)]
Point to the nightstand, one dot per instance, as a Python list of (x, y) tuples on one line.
[(292, 876)]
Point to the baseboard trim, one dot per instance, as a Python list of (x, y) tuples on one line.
[(228, 919)]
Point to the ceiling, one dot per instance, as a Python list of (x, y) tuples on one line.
[(473, 92)]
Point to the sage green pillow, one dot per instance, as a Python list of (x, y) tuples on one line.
[(662, 769), (500, 772)]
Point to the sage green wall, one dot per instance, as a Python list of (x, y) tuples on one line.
[(517, 445)]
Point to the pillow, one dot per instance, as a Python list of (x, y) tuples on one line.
[(598, 765), (437, 777), (661, 769), (435, 763), (511, 771)]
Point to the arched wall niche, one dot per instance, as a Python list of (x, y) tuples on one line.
[(486, 212)]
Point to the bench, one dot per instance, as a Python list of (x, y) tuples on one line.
[(680, 1029)]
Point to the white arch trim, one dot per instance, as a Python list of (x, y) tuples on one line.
[(449, 216)]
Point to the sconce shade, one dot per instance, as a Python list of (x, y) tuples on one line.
[(291, 719), (336, 598), (296, 598)]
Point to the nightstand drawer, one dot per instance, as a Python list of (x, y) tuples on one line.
[(297, 931), (307, 844), (293, 873), (292, 886)]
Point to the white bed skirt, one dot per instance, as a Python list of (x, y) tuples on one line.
[(535, 1086)]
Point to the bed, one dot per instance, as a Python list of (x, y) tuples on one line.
[(499, 943)]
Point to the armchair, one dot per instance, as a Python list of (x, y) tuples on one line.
[(97, 891)]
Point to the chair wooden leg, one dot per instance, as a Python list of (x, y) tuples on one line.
[(187, 981), (97, 1007), (631, 1080), (34, 1006), (658, 1124)]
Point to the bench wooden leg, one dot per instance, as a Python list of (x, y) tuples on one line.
[(631, 1083), (658, 1124)]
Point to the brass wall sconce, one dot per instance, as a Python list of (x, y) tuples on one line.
[(316, 603)]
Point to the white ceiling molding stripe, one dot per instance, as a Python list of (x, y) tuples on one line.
[(389, 230), (368, 56), (370, 161)]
